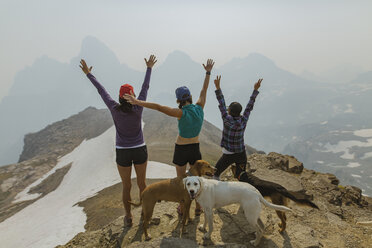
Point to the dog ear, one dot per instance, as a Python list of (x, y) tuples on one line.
[(184, 182), (200, 182)]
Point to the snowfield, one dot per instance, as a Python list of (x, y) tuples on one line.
[(363, 133), (55, 219), (345, 146)]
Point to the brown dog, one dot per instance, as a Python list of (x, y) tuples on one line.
[(171, 190), (277, 193)]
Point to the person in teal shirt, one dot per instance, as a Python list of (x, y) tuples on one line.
[(190, 120)]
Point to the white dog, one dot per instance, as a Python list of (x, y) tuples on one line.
[(211, 194)]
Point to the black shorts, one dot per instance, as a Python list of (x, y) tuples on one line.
[(184, 154), (127, 157), (240, 159)]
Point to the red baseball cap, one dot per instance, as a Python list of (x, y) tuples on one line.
[(125, 89)]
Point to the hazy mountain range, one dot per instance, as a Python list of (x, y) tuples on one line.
[(50, 90)]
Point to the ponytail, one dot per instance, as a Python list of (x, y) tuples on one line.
[(124, 106), (182, 103)]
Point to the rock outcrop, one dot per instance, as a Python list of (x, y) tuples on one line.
[(333, 225)]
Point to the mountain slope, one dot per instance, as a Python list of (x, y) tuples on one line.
[(338, 146), (76, 162), (71, 160)]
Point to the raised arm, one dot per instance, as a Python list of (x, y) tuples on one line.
[(203, 92), (220, 98), (174, 112), (145, 86), (250, 104), (110, 103)]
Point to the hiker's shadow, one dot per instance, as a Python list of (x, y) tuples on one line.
[(136, 237), (235, 229)]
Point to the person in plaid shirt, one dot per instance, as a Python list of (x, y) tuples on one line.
[(234, 124)]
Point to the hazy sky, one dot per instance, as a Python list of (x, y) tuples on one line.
[(312, 35)]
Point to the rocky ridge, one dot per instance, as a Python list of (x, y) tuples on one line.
[(334, 225), (41, 152)]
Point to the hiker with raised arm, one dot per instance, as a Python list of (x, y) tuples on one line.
[(234, 124), (190, 120), (130, 145)]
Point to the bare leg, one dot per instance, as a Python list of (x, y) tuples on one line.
[(125, 173), (141, 176), (181, 170)]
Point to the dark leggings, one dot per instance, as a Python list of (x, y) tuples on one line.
[(240, 159)]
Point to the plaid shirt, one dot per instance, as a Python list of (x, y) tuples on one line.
[(234, 127)]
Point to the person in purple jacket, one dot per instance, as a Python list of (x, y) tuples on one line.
[(130, 145), (234, 124)]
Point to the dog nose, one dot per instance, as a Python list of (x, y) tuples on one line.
[(192, 191)]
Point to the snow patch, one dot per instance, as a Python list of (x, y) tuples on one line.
[(345, 146), (55, 219), (353, 164), (367, 155), (353, 175), (320, 162), (363, 133), (324, 122), (349, 109)]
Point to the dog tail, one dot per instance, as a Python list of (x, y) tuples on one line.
[(273, 206), (306, 202), (301, 198), (266, 188), (136, 204)]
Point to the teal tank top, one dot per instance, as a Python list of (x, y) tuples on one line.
[(190, 124)]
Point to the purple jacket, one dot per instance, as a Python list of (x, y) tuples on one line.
[(128, 125)]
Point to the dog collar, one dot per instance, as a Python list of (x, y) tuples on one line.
[(198, 194)]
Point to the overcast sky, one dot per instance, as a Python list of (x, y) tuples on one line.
[(312, 35)]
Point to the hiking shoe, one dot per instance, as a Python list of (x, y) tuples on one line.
[(128, 221)]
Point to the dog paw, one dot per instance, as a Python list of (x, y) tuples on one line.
[(148, 237)]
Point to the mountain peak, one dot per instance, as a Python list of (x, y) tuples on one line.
[(91, 42), (91, 47), (257, 57), (178, 56)]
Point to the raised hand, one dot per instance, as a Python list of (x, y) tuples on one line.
[(151, 62), (209, 65), (217, 82), (84, 67), (258, 84)]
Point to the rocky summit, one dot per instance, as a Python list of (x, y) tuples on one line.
[(335, 224)]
